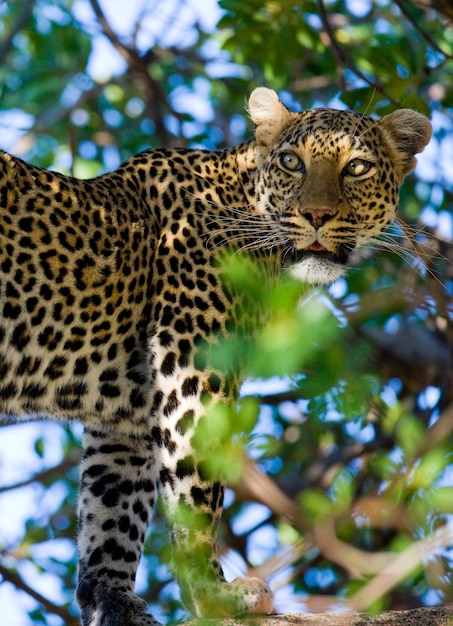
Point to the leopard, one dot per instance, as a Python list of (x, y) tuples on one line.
[(112, 287)]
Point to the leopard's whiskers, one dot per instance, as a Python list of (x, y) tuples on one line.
[(409, 250)]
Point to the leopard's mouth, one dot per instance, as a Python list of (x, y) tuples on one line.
[(317, 265), (317, 250)]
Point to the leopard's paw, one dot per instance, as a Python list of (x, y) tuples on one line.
[(222, 599), (101, 607), (255, 595)]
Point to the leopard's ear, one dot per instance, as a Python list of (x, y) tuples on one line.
[(269, 116), (407, 133)]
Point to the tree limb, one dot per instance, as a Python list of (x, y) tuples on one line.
[(444, 7), (429, 40), (21, 21), (155, 97), (344, 61), (432, 616), (13, 577), (60, 469)]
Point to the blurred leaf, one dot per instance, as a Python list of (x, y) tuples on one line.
[(315, 505)]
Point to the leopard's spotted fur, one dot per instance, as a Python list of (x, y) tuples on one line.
[(108, 286)]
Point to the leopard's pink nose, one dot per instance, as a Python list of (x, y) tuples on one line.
[(317, 217)]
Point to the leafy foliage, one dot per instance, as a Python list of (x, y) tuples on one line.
[(345, 439)]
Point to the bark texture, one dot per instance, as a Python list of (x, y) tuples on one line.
[(427, 616)]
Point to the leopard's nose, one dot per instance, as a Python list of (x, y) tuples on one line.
[(317, 217)]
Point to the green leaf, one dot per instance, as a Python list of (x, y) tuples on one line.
[(315, 504)]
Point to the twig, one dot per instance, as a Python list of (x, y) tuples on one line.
[(156, 99), (343, 60), (441, 6), (22, 19), (14, 578), (416, 25), (67, 464)]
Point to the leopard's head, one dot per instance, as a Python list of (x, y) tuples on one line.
[(328, 181)]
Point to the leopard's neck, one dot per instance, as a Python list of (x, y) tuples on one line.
[(246, 164)]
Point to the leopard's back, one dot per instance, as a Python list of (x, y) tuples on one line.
[(89, 269), (75, 269)]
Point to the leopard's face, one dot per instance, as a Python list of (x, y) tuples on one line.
[(329, 182), (328, 187)]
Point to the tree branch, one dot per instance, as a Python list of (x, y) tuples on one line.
[(155, 97), (21, 21), (432, 616), (344, 61), (60, 469), (400, 567), (429, 40), (14, 578), (444, 7)]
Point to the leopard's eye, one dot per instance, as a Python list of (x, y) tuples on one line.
[(292, 162), (357, 167)]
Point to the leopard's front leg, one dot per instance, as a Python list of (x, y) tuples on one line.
[(193, 504), (117, 493)]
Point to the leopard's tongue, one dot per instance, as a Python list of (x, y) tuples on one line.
[(317, 247)]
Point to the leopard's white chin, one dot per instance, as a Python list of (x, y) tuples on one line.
[(317, 270)]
